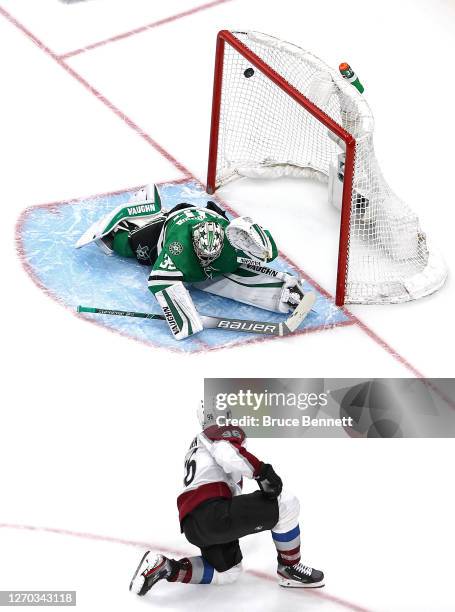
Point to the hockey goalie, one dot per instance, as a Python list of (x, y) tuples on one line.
[(197, 246), (214, 515)]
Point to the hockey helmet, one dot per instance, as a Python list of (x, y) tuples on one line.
[(207, 414), (208, 239)]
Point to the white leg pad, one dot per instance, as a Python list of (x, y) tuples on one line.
[(258, 289)]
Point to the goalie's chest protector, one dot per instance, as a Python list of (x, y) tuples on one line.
[(178, 244)]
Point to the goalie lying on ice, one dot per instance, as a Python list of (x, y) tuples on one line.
[(199, 246), (214, 514)]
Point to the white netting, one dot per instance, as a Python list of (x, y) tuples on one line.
[(264, 132)]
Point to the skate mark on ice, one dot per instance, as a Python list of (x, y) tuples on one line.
[(46, 235)]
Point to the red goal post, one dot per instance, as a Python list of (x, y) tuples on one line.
[(226, 37), (391, 287)]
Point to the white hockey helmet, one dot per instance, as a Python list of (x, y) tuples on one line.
[(249, 237), (208, 239), (207, 415)]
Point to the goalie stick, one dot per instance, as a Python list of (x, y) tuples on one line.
[(270, 328)]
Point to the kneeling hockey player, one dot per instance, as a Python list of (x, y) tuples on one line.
[(214, 514), (199, 246)]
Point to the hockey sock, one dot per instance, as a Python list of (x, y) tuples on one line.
[(288, 546), (192, 570)]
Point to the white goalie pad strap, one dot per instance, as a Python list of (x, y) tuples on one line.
[(288, 512), (228, 577), (250, 238), (262, 290), (178, 308)]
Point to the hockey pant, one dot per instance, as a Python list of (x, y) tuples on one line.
[(216, 526)]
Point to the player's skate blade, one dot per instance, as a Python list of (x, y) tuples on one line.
[(152, 568), (299, 576)]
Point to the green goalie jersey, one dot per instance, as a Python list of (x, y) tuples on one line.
[(177, 260)]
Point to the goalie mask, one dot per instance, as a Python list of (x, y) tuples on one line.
[(207, 415), (208, 238), (249, 237)]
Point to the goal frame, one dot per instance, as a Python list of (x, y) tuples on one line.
[(227, 38)]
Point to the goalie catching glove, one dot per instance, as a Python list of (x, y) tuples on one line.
[(250, 238)]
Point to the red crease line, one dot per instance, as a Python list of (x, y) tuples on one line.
[(129, 122), (204, 346), (373, 335)]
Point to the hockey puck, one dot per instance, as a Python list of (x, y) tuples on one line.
[(248, 73)]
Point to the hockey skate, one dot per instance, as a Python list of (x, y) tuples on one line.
[(152, 568), (299, 576), (292, 296)]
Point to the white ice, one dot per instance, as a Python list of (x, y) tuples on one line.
[(95, 426)]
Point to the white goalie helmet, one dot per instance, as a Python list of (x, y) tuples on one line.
[(206, 414), (249, 237), (208, 239)]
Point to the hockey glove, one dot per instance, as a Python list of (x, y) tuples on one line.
[(269, 482)]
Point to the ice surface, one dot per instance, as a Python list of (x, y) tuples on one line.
[(94, 426), (90, 278), (103, 581)]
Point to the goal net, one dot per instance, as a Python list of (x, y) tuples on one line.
[(280, 111)]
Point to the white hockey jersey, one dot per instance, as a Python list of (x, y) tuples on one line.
[(215, 464)]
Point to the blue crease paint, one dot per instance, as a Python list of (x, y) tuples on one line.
[(89, 277)]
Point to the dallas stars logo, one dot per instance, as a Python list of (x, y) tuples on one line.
[(143, 252), (209, 271), (176, 248)]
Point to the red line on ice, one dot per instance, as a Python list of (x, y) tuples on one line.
[(141, 29), (177, 552), (204, 346), (353, 319), (373, 335), (129, 122), (54, 206)]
